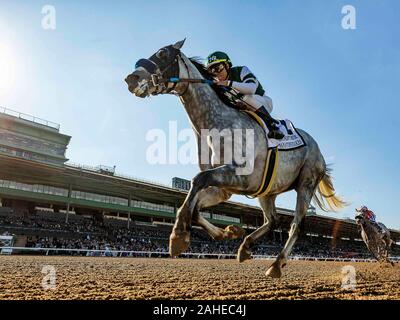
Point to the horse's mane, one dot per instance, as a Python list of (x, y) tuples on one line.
[(197, 62), (201, 67)]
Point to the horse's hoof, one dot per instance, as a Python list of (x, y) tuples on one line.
[(243, 254), (274, 271), (178, 243), (234, 232)]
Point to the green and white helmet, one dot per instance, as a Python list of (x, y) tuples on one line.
[(218, 57)]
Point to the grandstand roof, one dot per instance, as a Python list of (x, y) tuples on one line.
[(5, 112), (88, 180)]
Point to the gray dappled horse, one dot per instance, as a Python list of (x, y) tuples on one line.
[(378, 243), (302, 169)]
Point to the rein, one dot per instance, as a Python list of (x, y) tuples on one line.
[(188, 80), (158, 80), (161, 83)]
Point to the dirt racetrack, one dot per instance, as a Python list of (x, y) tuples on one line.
[(138, 278)]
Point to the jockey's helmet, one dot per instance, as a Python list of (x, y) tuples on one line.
[(362, 209), (218, 57)]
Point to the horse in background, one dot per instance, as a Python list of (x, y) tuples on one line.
[(378, 243)]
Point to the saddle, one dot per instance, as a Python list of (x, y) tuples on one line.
[(292, 139)]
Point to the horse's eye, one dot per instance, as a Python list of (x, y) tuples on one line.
[(162, 54)]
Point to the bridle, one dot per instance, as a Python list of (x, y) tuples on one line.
[(158, 79), (359, 216)]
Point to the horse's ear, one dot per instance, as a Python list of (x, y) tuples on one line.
[(179, 44)]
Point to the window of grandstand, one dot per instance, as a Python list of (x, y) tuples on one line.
[(179, 183), (33, 188), (312, 235), (117, 218), (51, 210), (99, 198), (247, 226), (44, 209), (311, 211), (225, 218), (152, 206), (206, 215)]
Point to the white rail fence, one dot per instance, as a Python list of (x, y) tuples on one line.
[(150, 254)]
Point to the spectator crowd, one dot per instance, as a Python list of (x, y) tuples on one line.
[(49, 230)]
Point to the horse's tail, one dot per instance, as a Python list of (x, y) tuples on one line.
[(325, 196)]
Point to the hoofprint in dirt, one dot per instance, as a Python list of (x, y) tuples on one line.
[(29, 277)]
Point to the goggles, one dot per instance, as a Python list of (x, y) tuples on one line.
[(217, 68)]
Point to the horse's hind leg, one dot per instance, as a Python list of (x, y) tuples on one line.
[(389, 245), (268, 206), (304, 196)]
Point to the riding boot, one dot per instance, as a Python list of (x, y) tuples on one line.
[(272, 124)]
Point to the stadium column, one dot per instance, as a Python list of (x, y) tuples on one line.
[(68, 202), (129, 209)]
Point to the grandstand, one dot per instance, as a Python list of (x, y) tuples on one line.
[(48, 202)]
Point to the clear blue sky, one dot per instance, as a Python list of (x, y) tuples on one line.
[(342, 86)]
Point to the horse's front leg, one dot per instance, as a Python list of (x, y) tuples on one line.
[(179, 239), (209, 197), (220, 177)]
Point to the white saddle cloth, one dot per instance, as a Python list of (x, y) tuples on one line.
[(292, 139)]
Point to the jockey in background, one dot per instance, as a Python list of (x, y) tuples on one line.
[(243, 81), (369, 215)]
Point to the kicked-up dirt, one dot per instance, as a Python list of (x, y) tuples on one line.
[(51, 277)]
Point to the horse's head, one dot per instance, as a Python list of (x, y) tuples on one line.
[(150, 74), (360, 219)]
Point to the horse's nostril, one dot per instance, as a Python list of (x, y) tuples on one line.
[(132, 77), (132, 80)]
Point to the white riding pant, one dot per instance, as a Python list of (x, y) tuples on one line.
[(256, 101)]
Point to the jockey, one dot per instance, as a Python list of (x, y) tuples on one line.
[(243, 81), (369, 215)]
